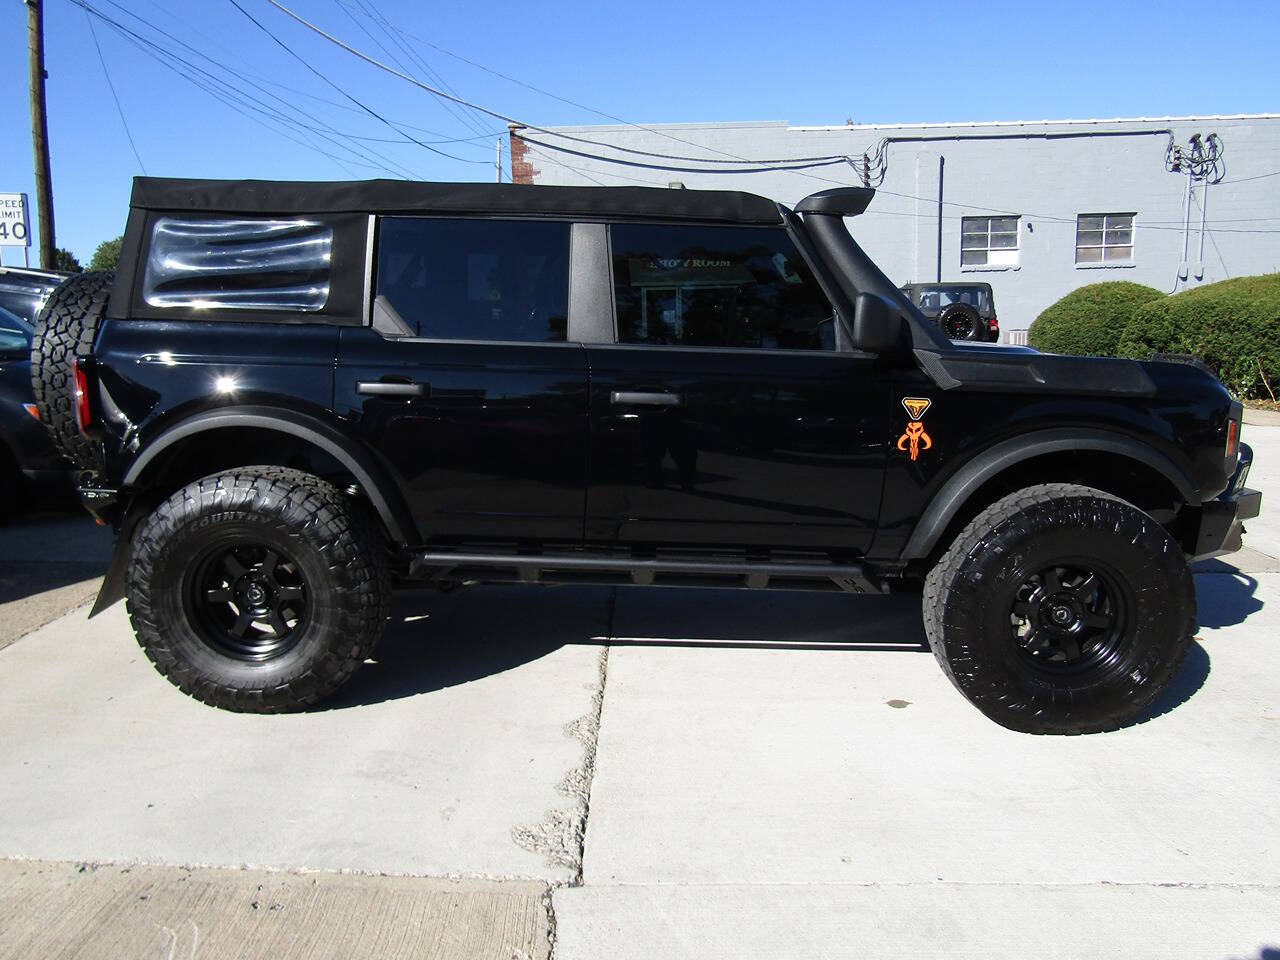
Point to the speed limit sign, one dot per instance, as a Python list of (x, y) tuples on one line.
[(15, 229)]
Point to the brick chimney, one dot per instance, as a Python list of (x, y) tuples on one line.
[(522, 170)]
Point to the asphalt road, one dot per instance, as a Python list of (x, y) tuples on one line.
[(758, 775)]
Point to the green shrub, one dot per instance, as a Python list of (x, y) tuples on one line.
[(1089, 321), (1233, 326)]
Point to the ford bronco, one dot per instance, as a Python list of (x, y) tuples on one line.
[(291, 396)]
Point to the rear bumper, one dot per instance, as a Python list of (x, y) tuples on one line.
[(1222, 520), (101, 501)]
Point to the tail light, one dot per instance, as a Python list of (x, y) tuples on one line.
[(84, 410), (32, 409), (995, 324), (1233, 444)]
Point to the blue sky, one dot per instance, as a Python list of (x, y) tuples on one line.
[(655, 62)]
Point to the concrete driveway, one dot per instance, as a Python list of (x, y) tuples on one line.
[(758, 775)]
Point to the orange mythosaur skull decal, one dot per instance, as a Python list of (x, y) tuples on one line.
[(915, 439)]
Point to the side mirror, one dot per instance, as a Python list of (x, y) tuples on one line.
[(877, 324)]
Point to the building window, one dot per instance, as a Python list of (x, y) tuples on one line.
[(1104, 238), (989, 241), (717, 286)]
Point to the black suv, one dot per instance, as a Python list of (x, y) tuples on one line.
[(963, 311), (292, 395)]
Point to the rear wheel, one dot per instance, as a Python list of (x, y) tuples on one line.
[(258, 590), (1061, 609)]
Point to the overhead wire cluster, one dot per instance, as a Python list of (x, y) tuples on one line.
[(1201, 159), (245, 91)]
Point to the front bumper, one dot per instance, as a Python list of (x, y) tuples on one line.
[(1222, 519)]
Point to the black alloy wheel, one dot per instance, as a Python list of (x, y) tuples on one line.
[(248, 600), (1069, 617)]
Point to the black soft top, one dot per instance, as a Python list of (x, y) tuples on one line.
[(401, 196)]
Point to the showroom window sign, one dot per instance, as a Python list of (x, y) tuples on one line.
[(15, 227)]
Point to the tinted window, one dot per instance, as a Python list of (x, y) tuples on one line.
[(22, 299), (239, 264), (717, 286), (476, 279), (15, 333)]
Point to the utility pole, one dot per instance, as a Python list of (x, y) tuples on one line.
[(497, 162), (40, 131)]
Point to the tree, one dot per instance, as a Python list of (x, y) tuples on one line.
[(64, 259), (107, 255)]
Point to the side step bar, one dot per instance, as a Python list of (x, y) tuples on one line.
[(553, 568)]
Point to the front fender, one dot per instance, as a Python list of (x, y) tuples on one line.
[(966, 481)]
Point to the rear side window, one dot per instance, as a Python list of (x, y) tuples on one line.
[(238, 264), (476, 279), (717, 287)]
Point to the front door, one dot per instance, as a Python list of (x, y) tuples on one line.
[(469, 389), (725, 416)]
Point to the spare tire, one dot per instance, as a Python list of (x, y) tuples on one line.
[(65, 329), (960, 322)]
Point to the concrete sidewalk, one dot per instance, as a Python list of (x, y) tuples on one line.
[(114, 912), (758, 774), (822, 791)]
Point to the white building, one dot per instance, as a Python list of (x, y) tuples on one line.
[(1034, 208)]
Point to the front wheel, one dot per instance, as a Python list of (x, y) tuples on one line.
[(1061, 609), (260, 590)]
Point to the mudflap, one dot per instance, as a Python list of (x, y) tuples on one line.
[(113, 583)]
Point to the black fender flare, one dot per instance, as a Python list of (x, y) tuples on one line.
[(381, 489), (953, 494)]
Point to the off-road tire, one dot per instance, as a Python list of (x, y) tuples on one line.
[(337, 547), (969, 623), (964, 314), (65, 329)]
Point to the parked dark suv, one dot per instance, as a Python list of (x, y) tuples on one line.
[(291, 395), (962, 311)]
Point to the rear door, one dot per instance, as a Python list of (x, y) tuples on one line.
[(724, 415), (466, 384)]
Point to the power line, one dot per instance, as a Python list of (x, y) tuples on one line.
[(817, 162), (657, 131), (249, 75), (370, 9), (363, 29), (436, 91), (239, 100), (112, 87), (367, 109)]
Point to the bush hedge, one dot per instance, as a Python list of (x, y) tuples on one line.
[(1233, 326), (1090, 321)]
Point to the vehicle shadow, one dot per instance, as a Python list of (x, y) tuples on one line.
[(1185, 685), (1224, 595), (439, 640), (49, 544)]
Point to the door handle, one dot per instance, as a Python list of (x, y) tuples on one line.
[(390, 388), (641, 399)]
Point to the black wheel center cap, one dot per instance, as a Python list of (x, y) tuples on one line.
[(1062, 611)]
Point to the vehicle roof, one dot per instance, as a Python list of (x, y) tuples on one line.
[(947, 283), (400, 196), (31, 275)]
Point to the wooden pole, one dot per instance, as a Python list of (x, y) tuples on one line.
[(40, 132)]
